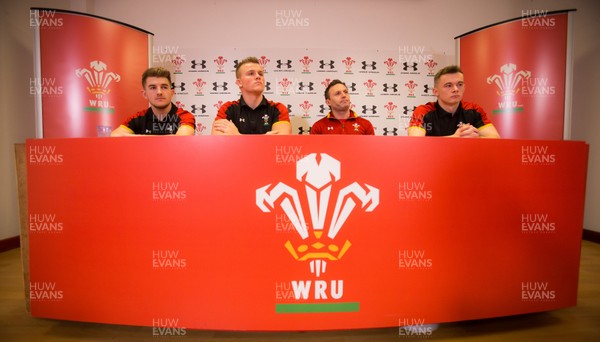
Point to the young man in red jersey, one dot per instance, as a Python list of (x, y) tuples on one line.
[(341, 119)]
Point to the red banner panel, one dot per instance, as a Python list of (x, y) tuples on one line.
[(302, 232), (91, 73), (516, 71)]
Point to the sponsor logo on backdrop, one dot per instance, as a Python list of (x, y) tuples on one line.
[(368, 67), (306, 62), (411, 86), (390, 65), (220, 88), (509, 84), (348, 62), (177, 62), (98, 80), (406, 116), (306, 106), (45, 155), (284, 86), (199, 84), (427, 91), (352, 89), (430, 64), (306, 88), (537, 19), (268, 90), (45, 223), (390, 89), (200, 128), (370, 85), (179, 88), (537, 155), (220, 64), (303, 130), (369, 111), (201, 109), (393, 131), (45, 292), (198, 65), (167, 327), (219, 104), (326, 65), (264, 61), (319, 247), (537, 223), (390, 108), (284, 65), (534, 291)]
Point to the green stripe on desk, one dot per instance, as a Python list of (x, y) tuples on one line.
[(507, 110), (99, 110), (317, 307)]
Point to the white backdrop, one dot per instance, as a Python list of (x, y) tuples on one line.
[(385, 85)]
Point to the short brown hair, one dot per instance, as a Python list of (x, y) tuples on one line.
[(155, 72), (246, 60), (450, 69), (331, 84)]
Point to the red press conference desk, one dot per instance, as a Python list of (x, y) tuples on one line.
[(302, 232)]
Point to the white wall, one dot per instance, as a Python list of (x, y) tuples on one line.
[(342, 24)]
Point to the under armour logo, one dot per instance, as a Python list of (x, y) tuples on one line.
[(427, 88), (406, 110), (235, 64), (217, 86), (242, 120), (289, 108), (267, 86), (181, 87), (393, 87), (330, 128), (310, 86), (407, 66), (322, 109), (371, 109), (280, 63), (195, 108), (366, 65), (202, 64), (386, 131), (322, 64), (351, 87), (302, 131)]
